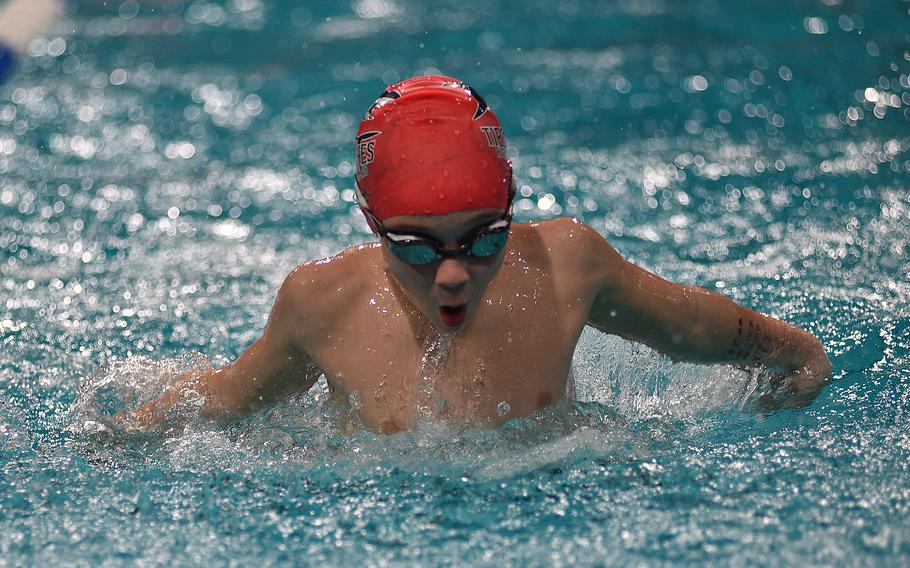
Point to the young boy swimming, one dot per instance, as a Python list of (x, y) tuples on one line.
[(457, 310)]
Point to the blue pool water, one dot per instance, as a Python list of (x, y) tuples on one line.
[(163, 166)]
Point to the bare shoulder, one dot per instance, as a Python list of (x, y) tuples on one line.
[(570, 245), (565, 230), (322, 288)]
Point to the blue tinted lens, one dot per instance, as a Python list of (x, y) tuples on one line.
[(489, 244), (415, 254)]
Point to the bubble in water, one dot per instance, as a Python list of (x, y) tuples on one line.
[(502, 408)]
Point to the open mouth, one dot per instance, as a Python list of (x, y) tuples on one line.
[(453, 316)]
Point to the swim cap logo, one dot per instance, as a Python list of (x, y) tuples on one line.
[(385, 98), (366, 152), (495, 139), (482, 106)]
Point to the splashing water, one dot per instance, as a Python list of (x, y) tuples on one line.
[(125, 385), (436, 347)]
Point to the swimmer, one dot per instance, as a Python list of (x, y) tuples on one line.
[(457, 296), (21, 21)]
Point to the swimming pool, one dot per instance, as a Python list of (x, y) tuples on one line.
[(164, 166)]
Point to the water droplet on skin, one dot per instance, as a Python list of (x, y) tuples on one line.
[(478, 384), (356, 400), (502, 408)]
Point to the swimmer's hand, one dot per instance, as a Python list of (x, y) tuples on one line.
[(799, 387), (166, 411), (147, 418)]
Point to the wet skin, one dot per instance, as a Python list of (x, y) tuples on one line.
[(508, 325)]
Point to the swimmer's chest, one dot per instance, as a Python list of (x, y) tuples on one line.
[(502, 367)]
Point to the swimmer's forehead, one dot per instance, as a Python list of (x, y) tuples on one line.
[(456, 224)]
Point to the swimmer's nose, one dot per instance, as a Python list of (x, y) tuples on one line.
[(452, 275)]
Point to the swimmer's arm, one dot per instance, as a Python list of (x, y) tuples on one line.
[(273, 365), (689, 323)]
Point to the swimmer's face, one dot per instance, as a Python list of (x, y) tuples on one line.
[(448, 291)]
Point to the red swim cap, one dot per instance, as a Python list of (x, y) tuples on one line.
[(431, 146)]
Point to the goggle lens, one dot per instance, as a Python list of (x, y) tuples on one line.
[(414, 253), (490, 243), (418, 253)]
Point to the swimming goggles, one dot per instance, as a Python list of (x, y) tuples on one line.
[(418, 250)]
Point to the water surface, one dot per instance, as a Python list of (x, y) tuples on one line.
[(164, 166)]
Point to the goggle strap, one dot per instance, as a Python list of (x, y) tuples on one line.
[(399, 238), (497, 225)]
